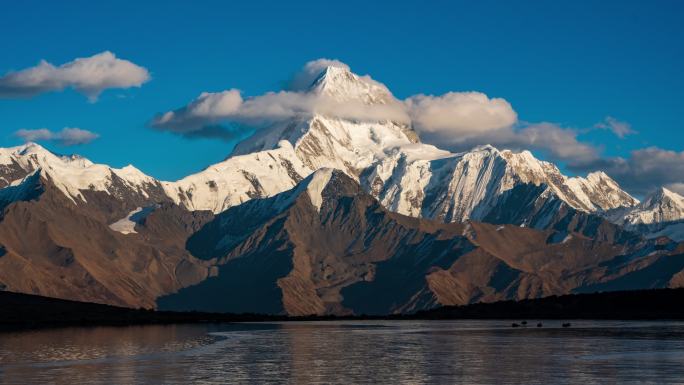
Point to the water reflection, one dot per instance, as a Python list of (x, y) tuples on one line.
[(468, 352)]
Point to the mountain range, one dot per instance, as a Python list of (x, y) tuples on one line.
[(326, 215)]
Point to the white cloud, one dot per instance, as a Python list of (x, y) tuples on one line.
[(459, 115), (213, 108), (676, 187), (555, 142), (455, 121), (68, 136), (89, 76), (644, 170), (453, 115), (619, 128), (207, 109)]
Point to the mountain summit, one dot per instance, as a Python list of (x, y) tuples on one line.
[(343, 85), (660, 214)]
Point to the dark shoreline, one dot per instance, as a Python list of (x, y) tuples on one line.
[(23, 311)]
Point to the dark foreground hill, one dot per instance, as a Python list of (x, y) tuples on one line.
[(629, 305), (30, 311)]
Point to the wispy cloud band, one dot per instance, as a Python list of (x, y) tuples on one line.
[(68, 136), (89, 76)]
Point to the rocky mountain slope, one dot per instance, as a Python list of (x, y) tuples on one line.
[(53, 246), (322, 214), (323, 246), (327, 247), (81, 181)]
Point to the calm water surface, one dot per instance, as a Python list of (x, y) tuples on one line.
[(402, 352)]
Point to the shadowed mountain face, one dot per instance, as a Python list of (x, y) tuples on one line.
[(333, 249), (54, 248)]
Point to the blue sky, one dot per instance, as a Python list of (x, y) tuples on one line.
[(572, 63)]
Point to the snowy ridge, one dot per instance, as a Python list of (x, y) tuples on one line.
[(312, 186), (595, 192), (344, 85), (74, 174), (467, 185), (416, 179), (239, 179), (661, 206), (660, 214), (386, 157), (21, 189), (332, 142)]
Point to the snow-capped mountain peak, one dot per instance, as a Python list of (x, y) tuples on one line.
[(595, 192), (470, 184), (343, 85), (327, 140), (660, 214), (302, 146), (663, 197), (662, 205), (72, 174), (240, 178)]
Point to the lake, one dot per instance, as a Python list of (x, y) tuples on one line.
[(393, 352)]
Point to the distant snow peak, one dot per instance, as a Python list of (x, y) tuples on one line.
[(660, 214), (662, 205), (73, 174), (343, 85), (469, 185), (240, 178), (595, 192), (311, 71), (664, 196)]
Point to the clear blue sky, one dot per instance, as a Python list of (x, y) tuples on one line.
[(568, 62)]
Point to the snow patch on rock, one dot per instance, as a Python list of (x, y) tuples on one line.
[(126, 225), (316, 185)]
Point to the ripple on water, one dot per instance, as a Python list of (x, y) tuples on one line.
[(468, 352)]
